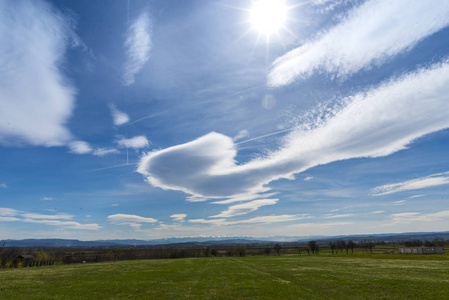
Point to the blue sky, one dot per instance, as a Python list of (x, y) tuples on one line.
[(152, 119)]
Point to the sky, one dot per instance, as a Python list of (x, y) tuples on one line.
[(132, 119)]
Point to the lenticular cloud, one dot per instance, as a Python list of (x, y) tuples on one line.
[(376, 123)]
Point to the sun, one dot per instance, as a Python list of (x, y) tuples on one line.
[(268, 16)]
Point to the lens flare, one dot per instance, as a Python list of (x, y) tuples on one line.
[(268, 102)]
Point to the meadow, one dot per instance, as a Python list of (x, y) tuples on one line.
[(369, 276)]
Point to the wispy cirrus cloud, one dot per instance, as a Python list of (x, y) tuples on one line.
[(118, 117), (130, 220), (34, 37), (411, 106), (414, 184), (60, 220), (369, 35), (3, 185), (138, 46)]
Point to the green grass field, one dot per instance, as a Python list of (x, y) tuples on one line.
[(260, 277)]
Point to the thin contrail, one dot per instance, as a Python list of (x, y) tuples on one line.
[(127, 13), (266, 135), (111, 167), (126, 99)]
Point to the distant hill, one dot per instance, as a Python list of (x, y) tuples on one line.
[(127, 242), (388, 237), (53, 243)]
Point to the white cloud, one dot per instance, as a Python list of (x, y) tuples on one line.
[(308, 178), (8, 219), (264, 219), (13, 215), (8, 212), (135, 142), (419, 217), (370, 34), (331, 228), (416, 196), (245, 208), (400, 202), (130, 220), (48, 199), (375, 123), (80, 147), (138, 46), (61, 216), (337, 216), (378, 212), (414, 184), (3, 185), (191, 167), (118, 117), (328, 5), (105, 151), (33, 40), (246, 197), (178, 217), (242, 134), (63, 224)]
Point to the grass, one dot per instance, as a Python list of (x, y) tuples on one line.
[(260, 277)]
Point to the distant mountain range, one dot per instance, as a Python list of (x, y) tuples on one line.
[(388, 237)]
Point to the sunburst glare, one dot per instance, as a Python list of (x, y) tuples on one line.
[(268, 16)]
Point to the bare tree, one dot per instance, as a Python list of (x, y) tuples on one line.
[(267, 250), (351, 245), (313, 245), (278, 248), (241, 250), (341, 245), (368, 246)]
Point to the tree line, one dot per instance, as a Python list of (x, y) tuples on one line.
[(20, 257)]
